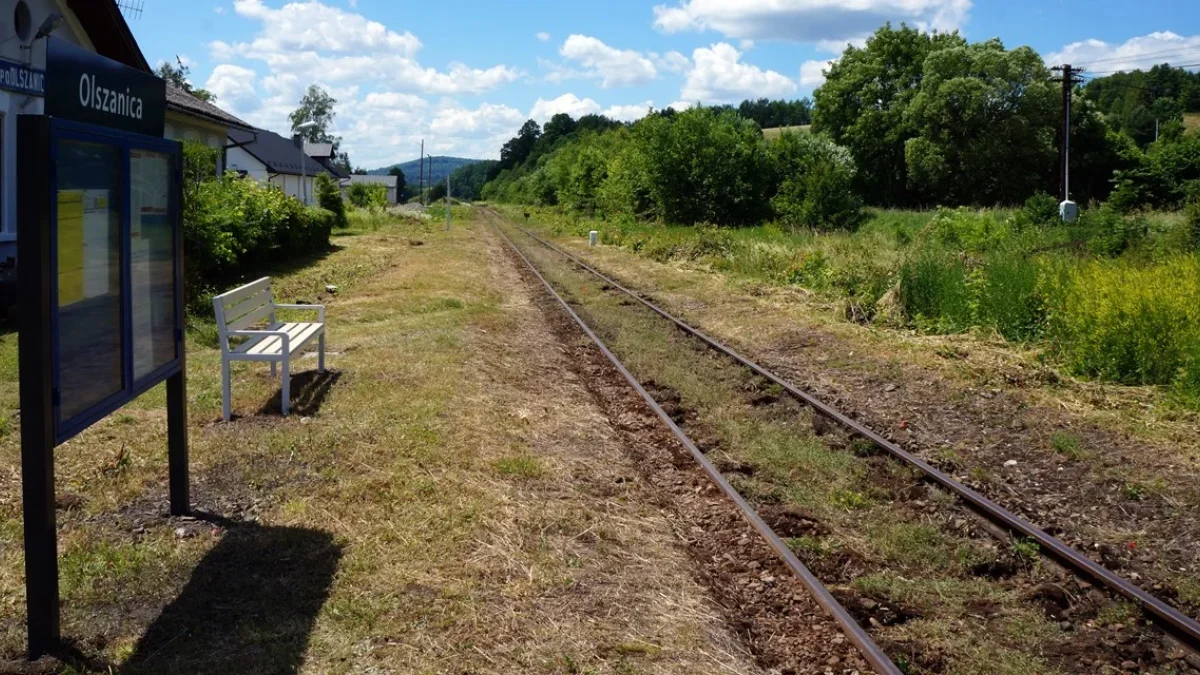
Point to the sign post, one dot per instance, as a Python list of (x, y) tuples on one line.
[(100, 248)]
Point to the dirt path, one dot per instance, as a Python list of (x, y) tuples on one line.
[(1127, 500)]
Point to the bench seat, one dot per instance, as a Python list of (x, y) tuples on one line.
[(270, 347), (248, 330)]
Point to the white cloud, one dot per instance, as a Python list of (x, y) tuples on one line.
[(372, 71), (543, 36), (219, 9), (806, 20), (613, 67), (746, 45), (233, 87), (680, 106), (571, 104), (672, 62), (812, 73), (1140, 52), (719, 76), (629, 113)]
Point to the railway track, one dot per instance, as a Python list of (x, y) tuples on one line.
[(1183, 628)]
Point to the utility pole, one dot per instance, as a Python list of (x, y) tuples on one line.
[(421, 175), (1070, 77), (447, 202)]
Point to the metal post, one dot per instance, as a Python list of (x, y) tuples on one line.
[(447, 202), (421, 175), (1068, 82), (35, 371)]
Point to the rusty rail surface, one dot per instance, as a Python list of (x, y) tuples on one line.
[(850, 627), (1175, 622)]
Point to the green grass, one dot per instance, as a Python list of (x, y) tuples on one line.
[(775, 132), (1068, 445)]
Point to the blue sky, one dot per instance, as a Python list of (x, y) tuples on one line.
[(464, 75)]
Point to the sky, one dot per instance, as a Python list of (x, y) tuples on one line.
[(465, 75)]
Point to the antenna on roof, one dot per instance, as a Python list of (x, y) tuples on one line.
[(132, 9)]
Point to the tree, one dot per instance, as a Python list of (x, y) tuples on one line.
[(402, 181), (359, 171), (177, 76), (317, 106), (861, 106), (518, 149), (983, 126), (816, 183)]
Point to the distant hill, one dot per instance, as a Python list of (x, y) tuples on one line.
[(437, 168)]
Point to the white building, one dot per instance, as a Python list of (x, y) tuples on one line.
[(268, 157), (95, 25)]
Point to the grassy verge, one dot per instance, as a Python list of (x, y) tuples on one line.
[(443, 500), (939, 592)]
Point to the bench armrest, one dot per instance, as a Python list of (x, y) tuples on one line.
[(281, 334), (319, 308)]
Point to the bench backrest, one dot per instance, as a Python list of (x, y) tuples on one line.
[(243, 308)]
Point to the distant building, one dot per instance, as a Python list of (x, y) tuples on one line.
[(389, 181), (270, 158)]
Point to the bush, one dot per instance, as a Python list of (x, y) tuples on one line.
[(329, 196), (368, 195), (1039, 211), (233, 227), (1129, 323), (933, 292), (815, 183), (1192, 214), (1109, 233)]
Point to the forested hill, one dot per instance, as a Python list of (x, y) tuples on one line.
[(437, 168)]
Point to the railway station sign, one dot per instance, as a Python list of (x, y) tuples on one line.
[(21, 78), (100, 277), (86, 87)]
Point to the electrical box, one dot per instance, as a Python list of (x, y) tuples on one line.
[(1068, 211)]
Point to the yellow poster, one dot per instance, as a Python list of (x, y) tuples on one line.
[(70, 247)]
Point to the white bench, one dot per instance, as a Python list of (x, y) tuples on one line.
[(241, 312)]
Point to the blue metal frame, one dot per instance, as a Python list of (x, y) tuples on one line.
[(127, 142)]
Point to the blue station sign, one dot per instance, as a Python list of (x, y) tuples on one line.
[(89, 88), (22, 78)]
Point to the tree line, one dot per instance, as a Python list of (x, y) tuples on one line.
[(912, 119)]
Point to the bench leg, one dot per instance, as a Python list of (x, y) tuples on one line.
[(321, 354), (287, 385), (226, 406)]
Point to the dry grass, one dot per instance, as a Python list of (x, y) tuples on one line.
[(1191, 120), (449, 504)]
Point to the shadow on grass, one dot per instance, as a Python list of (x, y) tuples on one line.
[(249, 607), (309, 391)]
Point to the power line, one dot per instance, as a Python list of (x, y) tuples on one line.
[(1190, 51)]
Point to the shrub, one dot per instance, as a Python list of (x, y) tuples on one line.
[(329, 196), (1109, 233), (1192, 214), (816, 183), (1004, 296), (234, 226), (966, 229), (368, 195), (1040, 210), (1125, 322)]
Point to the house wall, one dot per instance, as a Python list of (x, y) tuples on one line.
[(237, 159), (13, 104), (186, 128)]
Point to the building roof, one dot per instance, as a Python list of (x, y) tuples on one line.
[(181, 101), (277, 153), (106, 28), (389, 181)]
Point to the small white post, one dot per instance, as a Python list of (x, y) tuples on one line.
[(593, 238)]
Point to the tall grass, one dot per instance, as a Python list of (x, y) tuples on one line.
[(1112, 297), (1128, 322)]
